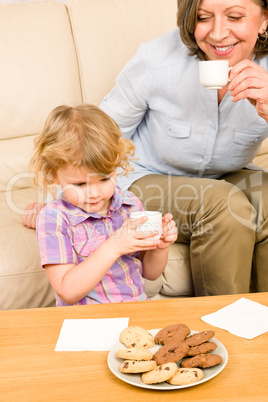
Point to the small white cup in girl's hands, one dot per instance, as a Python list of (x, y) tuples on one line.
[(153, 223)]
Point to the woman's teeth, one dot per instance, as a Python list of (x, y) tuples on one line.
[(223, 48)]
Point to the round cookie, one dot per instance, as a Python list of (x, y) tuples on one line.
[(199, 337), (204, 361), (186, 376), (171, 353), (136, 337), (166, 334), (160, 373), (134, 354), (135, 366), (177, 336), (203, 348)]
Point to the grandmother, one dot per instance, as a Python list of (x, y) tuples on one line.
[(194, 146)]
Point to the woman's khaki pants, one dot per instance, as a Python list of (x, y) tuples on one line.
[(225, 223)]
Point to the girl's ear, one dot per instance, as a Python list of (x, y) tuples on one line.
[(52, 178)]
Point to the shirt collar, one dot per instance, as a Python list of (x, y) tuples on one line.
[(77, 215)]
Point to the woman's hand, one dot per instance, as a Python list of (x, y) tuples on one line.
[(250, 81), (30, 214), (169, 232)]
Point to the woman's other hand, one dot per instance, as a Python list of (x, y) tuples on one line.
[(30, 214), (250, 81)]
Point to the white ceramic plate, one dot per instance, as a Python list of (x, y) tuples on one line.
[(135, 379)]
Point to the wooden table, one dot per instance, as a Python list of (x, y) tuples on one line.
[(30, 369)]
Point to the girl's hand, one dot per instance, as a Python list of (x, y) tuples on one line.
[(169, 232), (250, 81), (127, 240)]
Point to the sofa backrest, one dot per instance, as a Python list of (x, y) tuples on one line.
[(107, 34), (38, 71), (46, 61), (42, 63)]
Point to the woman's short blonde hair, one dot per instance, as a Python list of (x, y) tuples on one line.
[(83, 136), (186, 21)]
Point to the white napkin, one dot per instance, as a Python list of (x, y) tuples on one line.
[(90, 334), (244, 318)]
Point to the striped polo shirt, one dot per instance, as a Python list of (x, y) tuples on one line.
[(67, 234)]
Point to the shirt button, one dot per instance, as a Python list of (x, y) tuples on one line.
[(257, 139), (168, 127), (108, 220), (205, 158), (130, 281), (212, 125)]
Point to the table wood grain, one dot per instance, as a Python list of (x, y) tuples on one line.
[(30, 369)]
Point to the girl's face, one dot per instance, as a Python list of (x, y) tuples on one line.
[(228, 29), (87, 190)]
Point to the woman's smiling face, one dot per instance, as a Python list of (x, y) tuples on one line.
[(228, 29)]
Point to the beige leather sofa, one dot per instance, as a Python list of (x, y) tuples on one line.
[(53, 53)]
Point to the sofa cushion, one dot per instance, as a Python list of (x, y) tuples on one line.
[(112, 32), (23, 283), (176, 280), (38, 71), (15, 154)]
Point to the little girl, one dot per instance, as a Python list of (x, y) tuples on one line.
[(89, 247)]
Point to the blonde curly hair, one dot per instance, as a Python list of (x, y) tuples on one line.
[(83, 136)]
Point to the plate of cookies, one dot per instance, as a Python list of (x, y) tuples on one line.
[(169, 358)]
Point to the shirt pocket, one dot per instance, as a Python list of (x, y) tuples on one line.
[(176, 129), (245, 146), (172, 139), (84, 246)]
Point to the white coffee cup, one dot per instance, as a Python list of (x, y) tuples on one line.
[(153, 223), (214, 74)]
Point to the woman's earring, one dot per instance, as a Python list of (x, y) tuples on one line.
[(263, 37)]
